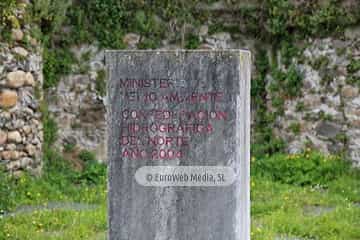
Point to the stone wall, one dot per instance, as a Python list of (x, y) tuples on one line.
[(78, 107), (326, 115), (21, 133)]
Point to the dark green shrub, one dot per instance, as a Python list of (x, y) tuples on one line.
[(295, 128), (93, 173), (288, 51), (287, 83), (49, 14), (79, 27), (278, 17), (106, 20), (7, 13), (57, 62), (192, 42), (293, 81), (264, 142), (87, 156), (100, 83)]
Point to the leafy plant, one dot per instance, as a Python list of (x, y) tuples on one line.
[(321, 62), (278, 17), (49, 15), (295, 128), (288, 82), (100, 83), (300, 106), (7, 13), (94, 173), (57, 62), (106, 20), (192, 42), (87, 156), (354, 66), (69, 147)]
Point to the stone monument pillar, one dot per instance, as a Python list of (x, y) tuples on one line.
[(178, 145)]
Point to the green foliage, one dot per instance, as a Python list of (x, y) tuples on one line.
[(58, 182), (285, 21), (6, 189), (79, 32), (324, 116), (328, 19), (288, 51), (342, 138), (82, 64), (146, 24), (108, 20), (321, 62), (327, 76), (94, 173), (105, 20), (295, 128), (287, 83), (279, 12), (353, 80), (259, 82), (309, 168), (87, 156), (8, 19), (57, 62), (7, 13), (354, 66), (341, 51), (192, 42), (278, 209), (264, 142), (293, 81), (300, 106), (69, 147), (49, 126), (100, 83), (49, 15)]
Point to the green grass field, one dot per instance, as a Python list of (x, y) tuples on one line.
[(305, 196)]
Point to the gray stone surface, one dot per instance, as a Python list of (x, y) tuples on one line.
[(21, 129), (137, 212)]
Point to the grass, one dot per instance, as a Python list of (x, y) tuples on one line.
[(325, 206)]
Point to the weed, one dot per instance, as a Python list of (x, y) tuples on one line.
[(100, 83), (354, 66), (192, 42), (57, 62), (87, 156), (295, 128)]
